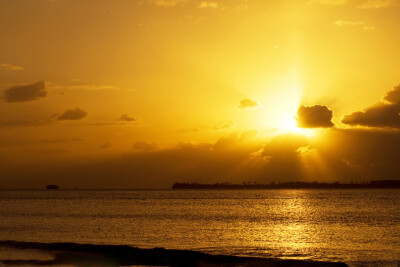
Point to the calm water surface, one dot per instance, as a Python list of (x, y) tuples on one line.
[(354, 226)]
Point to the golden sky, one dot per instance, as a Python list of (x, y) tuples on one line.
[(143, 93)]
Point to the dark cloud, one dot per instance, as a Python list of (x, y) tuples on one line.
[(393, 96), (126, 118), (360, 154), (380, 115), (384, 114), (247, 104), (144, 146), (72, 114), (284, 158), (316, 116), (25, 92)]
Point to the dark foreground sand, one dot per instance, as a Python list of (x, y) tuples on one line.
[(113, 255)]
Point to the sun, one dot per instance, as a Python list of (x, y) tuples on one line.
[(279, 109), (288, 124)]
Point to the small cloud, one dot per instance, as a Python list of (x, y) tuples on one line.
[(248, 104), (105, 145), (208, 4), (342, 23), (144, 146), (72, 114), (316, 116), (24, 93), (376, 4), (227, 125), (10, 67), (126, 118)]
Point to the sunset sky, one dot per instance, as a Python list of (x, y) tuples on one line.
[(144, 93)]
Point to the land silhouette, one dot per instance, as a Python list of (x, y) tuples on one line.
[(291, 185)]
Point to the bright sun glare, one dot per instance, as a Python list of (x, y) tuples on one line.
[(289, 124), (282, 105)]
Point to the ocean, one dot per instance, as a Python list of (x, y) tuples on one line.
[(359, 227)]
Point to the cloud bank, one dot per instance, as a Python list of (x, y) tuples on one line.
[(383, 114), (343, 154)]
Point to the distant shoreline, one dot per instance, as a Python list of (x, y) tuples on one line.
[(376, 184)]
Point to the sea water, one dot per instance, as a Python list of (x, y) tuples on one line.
[(358, 227)]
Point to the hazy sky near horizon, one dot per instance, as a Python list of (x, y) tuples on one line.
[(125, 93)]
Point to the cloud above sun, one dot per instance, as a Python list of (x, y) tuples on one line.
[(316, 116)]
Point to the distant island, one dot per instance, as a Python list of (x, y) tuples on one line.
[(291, 185)]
